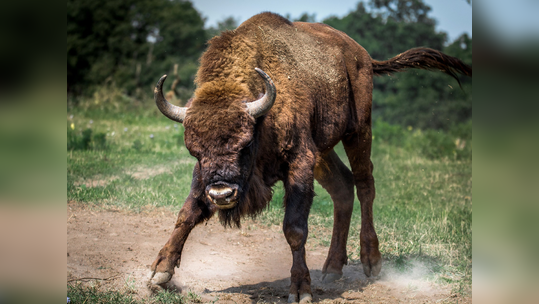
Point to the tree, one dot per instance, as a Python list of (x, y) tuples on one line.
[(305, 17), (407, 11), (179, 38), (432, 100), (416, 98), (100, 38), (129, 43), (227, 24)]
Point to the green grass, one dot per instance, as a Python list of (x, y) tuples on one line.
[(422, 210), (92, 294)]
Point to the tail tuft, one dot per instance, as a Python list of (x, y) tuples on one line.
[(425, 59)]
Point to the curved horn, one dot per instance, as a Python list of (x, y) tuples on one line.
[(261, 106), (169, 110)]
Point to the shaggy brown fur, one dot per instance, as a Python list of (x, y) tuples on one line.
[(323, 80), (222, 143)]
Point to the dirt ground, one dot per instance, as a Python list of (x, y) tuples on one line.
[(248, 265)]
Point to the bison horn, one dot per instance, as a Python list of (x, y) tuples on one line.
[(169, 110), (261, 106)]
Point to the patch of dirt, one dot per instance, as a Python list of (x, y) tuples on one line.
[(248, 265)]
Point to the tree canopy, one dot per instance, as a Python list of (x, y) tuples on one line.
[(130, 43), (415, 98)]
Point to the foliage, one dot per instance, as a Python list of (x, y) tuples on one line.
[(427, 100), (421, 99), (407, 11), (305, 17), (130, 43), (385, 32), (85, 140), (227, 24)]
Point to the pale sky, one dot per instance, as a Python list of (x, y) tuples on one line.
[(453, 16)]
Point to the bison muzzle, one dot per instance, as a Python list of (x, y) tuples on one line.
[(273, 98), (223, 195)]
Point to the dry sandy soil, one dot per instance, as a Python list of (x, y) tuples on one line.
[(248, 265)]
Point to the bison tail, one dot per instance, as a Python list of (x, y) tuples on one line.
[(422, 58)]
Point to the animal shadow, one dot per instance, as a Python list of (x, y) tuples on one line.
[(277, 291)]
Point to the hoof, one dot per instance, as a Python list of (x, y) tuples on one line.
[(160, 278), (367, 269), (292, 298), (330, 277), (154, 288), (305, 298), (373, 270), (376, 268)]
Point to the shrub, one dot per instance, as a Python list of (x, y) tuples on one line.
[(137, 145), (85, 140), (391, 134), (432, 143)]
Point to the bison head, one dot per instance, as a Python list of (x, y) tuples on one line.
[(220, 131)]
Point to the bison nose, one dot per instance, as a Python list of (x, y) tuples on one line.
[(224, 195)]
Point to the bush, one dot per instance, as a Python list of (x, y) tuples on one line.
[(137, 145), (432, 143), (85, 140), (392, 134)]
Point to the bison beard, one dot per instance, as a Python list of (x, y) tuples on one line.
[(319, 94), (251, 203)]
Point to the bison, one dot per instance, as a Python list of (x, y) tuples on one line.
[(273, 98)]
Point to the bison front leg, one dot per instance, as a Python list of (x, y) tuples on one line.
[(192, 213), (298, 200)]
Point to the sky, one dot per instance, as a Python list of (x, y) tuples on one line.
[(453, 16)]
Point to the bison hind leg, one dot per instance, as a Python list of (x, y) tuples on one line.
[(358, 150), (338, 181)]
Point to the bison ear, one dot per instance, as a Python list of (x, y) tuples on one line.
[(262, 106), (169, 110)]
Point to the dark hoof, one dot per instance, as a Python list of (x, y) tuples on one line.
[(292, 298), (373, 270), (330, 277)]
